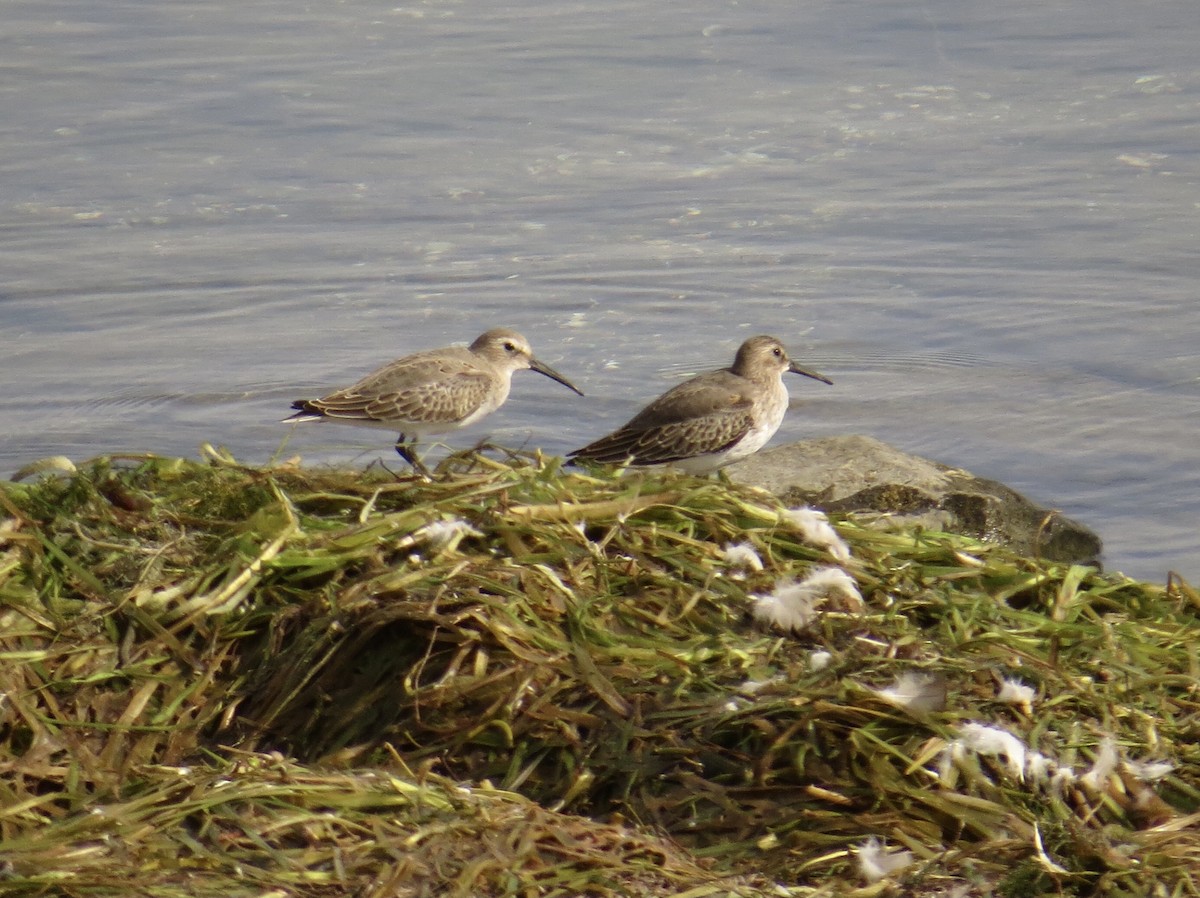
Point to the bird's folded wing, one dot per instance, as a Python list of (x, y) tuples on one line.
[(670, 442), (432, 402)]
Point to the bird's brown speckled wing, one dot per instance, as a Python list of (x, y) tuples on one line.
[(416, 389), (669, 443), (704, 415)]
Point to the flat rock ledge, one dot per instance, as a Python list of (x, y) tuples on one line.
[(862, 475)]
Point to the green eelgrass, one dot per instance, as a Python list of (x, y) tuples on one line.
[(519, 680)]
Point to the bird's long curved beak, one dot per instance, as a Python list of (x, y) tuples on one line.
[(542, 368), (807, 372)]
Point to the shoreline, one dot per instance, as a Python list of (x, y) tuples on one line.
[(579, 680)]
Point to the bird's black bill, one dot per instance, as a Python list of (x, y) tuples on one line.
[(541, 368), (808, 372)]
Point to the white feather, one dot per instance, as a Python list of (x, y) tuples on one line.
[(995, 742), (819, 660), (833, 581), (875, 863), (443, 533), (915, 691), (1014, 692), (741, 555), (1103, 767), (816, 530), (1063, 777), (789, 608), (792, 606), (1149, 772), (1038, 768)]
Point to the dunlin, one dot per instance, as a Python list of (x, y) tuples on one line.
[(431, 392), (712, 419)]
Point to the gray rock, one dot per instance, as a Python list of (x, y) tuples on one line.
[(862, 474)]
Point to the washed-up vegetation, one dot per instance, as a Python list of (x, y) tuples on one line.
[(519, 680)]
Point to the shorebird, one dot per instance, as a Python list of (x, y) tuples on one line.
[(429, 392), (710, 420)]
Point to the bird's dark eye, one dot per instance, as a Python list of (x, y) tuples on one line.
[(777, 352), (509, 346)]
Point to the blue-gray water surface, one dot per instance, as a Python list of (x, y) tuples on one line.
[(979, 219)]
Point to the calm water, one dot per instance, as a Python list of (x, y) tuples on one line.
[(979, 219)]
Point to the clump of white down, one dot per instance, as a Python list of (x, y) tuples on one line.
[(1036, 769), (442, 534), (819, 660), (1014, 692), (816, 530), (990, 741), (741, 555), (793, 606), (915, 691), (875, 863)]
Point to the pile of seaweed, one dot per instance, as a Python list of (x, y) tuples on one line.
[(520, 680)]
